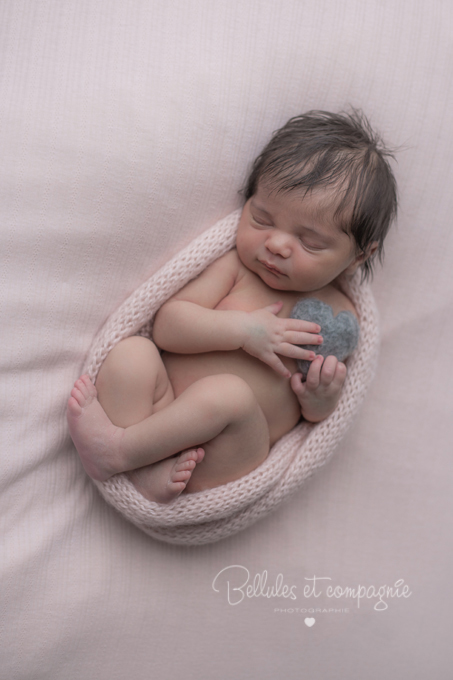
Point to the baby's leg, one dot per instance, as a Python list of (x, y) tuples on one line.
[(131, 385), (237, 450), (219, 405), (132, 382)]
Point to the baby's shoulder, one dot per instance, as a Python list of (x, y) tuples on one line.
[(229, 260), (227, 265), (231, 263)]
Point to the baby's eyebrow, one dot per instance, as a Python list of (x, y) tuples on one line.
[(259, 207)]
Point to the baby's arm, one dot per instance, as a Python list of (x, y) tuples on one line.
[(189, 323)]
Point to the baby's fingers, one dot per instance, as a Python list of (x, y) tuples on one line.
[(277, 365), (302, 326), (333, 373), (295, 352), (314, 373), (303, 338), (274, 308), (297, 385)]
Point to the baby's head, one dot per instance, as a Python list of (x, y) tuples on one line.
[(340, 158)]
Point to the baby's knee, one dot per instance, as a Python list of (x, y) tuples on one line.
[(229, 393), (132, 359)]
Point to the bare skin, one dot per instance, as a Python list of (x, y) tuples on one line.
[(232, 419), (170, 476), (226, 387)]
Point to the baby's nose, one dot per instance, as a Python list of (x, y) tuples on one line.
[(278, 244)]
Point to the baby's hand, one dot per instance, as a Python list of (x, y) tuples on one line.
[(320, 393), (266, 336)]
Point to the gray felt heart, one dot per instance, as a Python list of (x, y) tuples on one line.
[(340, 333)]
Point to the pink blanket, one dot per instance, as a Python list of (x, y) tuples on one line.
[(213, 514)]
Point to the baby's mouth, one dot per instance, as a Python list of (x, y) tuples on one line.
[(270, 267)]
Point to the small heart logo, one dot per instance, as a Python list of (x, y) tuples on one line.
[(309, 622)]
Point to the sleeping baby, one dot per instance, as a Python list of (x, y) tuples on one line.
[(207, 408)]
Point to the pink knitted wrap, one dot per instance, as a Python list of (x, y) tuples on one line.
[(214, 514)]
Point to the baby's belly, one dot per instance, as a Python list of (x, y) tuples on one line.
[(273, 392)]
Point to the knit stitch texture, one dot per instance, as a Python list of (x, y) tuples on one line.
[(214, 514)]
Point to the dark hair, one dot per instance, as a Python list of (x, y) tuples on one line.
[(320, 149)]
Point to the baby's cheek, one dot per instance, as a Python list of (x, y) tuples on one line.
[(246, 249)]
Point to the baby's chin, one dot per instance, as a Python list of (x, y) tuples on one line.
[(276, 285)]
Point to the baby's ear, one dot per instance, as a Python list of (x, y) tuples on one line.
[(360, 259)]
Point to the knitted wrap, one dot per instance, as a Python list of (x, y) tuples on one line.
[(208, 516)]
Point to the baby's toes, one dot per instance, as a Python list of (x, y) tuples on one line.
[(187, 464), (87, 386), (181, 475), (73, 407), (77, 395), (185, 456), (195, 455), (200, 455), (80, 391)]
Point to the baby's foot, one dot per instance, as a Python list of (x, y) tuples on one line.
[(95, 437), (165, 480)]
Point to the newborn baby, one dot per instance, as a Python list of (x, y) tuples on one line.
[(319, 202)]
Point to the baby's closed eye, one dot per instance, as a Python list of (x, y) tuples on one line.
[(311, 246), (262, 221)]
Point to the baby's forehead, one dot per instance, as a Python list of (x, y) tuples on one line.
[(322, 202)]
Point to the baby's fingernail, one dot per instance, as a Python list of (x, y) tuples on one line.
[(312, 356), (320, 339)]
